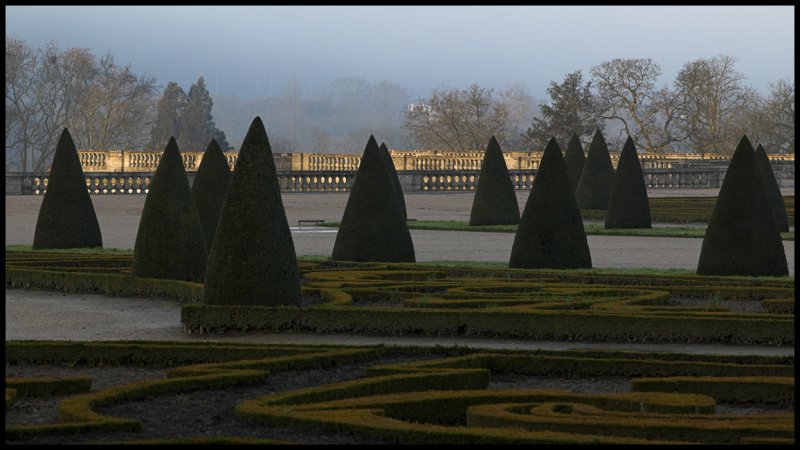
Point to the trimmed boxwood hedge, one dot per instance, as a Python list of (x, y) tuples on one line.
[(209, 188), (574, 160), (773, 191), (550, 233), (401, 200), (169, 241), (404, 401), (742, 237), (495, 201), (628, 205), (252, 260), (66, 217), (550, 303), (727, 389), (78, 416), (594, 187), (373, 227), (581, 418)]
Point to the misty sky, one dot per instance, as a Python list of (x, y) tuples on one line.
[(254, 50)]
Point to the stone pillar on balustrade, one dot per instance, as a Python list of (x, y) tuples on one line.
[(115, 161)]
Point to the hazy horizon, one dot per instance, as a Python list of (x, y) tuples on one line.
[(253, 51)]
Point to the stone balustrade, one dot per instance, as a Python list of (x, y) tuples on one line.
[(416, 180), (404, 160), (110, 172)]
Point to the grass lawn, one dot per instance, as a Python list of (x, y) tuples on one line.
[(591, 229)]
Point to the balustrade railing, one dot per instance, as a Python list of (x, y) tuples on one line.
[(404, 160), (341, 181), (130, 172)]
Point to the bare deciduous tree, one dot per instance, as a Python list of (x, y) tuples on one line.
[(714, 103), (47, 89), (775, 118), (627, 91), (458, 120)]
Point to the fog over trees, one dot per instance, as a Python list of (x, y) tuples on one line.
[(706, 108)]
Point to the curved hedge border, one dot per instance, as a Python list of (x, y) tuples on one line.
[(47, 386), (759, 389), (415, 299), (576, 417), (404, 402), (78, 416)]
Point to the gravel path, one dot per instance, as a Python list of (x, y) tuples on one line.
[(118, 217), (44, 315)]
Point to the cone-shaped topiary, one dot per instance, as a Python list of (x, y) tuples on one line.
[(373, 227), (252, 259), (495, 202), (773, 191), (209, 188), (66, 217), (628, 206), (742, 238), (550, 233), (170, 243), (574, 159), (594, 186), (401, 200)]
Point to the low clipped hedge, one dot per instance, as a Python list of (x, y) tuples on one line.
[(106, 283), (77, 413), (571, 325), (683, 209), (728, 389), (144, 353), (461, 301), (48, 386), (427, 417), (602, 364), (581, 418), (405, 402)]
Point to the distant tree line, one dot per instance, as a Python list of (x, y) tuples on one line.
[(707, 108), (187, 118), (47, 89), (105, 106)]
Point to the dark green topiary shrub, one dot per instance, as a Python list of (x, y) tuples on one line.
[(628, 206), (401, 200), (550, 233), (742, 238), (66, 217), (495, 202), (594, 186), (209, 188), (252, 259), (574, 159), (373, 227), (170, 243), (773, 190)]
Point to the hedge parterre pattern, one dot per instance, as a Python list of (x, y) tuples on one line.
[(434, 396), (410, 299)]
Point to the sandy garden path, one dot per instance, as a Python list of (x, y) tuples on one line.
[(119, 221)]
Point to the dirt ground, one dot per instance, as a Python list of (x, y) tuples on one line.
[(119, 215)]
